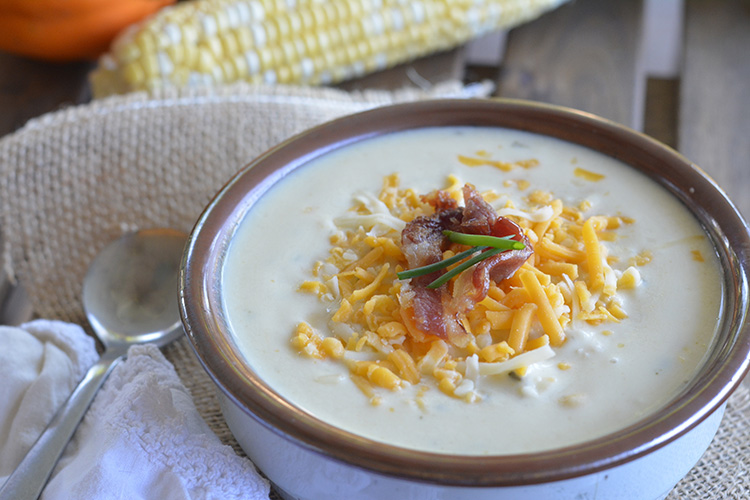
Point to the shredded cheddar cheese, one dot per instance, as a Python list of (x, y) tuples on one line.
[(505, 166), (587, 175), (520, 322)]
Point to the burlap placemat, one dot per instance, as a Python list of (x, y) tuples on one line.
[(73, 180)]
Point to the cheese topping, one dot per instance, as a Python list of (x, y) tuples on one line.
[(569, 278)]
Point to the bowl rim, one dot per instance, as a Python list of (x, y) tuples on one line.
[(200, 305)]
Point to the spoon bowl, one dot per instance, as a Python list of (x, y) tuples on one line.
[(129, 289), (130, 298)]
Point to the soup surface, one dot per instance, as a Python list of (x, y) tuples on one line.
[(604, 375)]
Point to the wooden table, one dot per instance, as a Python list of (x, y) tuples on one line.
[(679, 70)]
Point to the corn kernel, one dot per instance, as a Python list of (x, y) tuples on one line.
[(500, 351), (383, 377), (300, 341), (447, 386), (332, 347), (134, 73), (629, 279), (315, 287)]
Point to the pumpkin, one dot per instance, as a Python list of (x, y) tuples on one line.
[(68, 30)]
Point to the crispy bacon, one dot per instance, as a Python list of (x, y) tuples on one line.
[(440, 200), (439, 311)]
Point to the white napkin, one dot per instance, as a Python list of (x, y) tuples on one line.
[(142, 438)]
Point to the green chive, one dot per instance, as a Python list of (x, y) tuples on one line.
[(504, 242), (430, 268), (478, 242), (462, 267)]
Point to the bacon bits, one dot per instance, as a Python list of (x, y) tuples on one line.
[(439, 311)]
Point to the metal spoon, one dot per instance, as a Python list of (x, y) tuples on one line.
[(130, 297)]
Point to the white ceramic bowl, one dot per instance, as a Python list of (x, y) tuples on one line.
[(310, 459)]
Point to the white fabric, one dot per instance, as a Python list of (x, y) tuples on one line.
[(142, 438), (40, 363)]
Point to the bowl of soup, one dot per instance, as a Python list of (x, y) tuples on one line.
[(470, 299)]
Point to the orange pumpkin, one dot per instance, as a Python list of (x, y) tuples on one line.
[(68, 30)]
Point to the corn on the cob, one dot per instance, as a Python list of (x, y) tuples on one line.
[(313, 42)]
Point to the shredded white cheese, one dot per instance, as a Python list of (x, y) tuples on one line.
[(472, 367), (379, 214), (520, 361)]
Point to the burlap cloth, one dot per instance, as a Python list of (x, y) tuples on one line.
[(73, 180)]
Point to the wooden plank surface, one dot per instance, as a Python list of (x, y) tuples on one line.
[(31, 88), (661, 110), (582, 55), (423, 73), (714, 124)]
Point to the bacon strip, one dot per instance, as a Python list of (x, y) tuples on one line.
[(438, 311)]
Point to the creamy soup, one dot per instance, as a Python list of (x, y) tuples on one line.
[(604, 376)]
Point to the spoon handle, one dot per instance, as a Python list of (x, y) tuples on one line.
[(31, 475)]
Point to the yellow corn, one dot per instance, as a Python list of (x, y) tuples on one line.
[(332, 347), (631, 278), (496, 352), (205, 42), (383, 377), (315, 287)]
